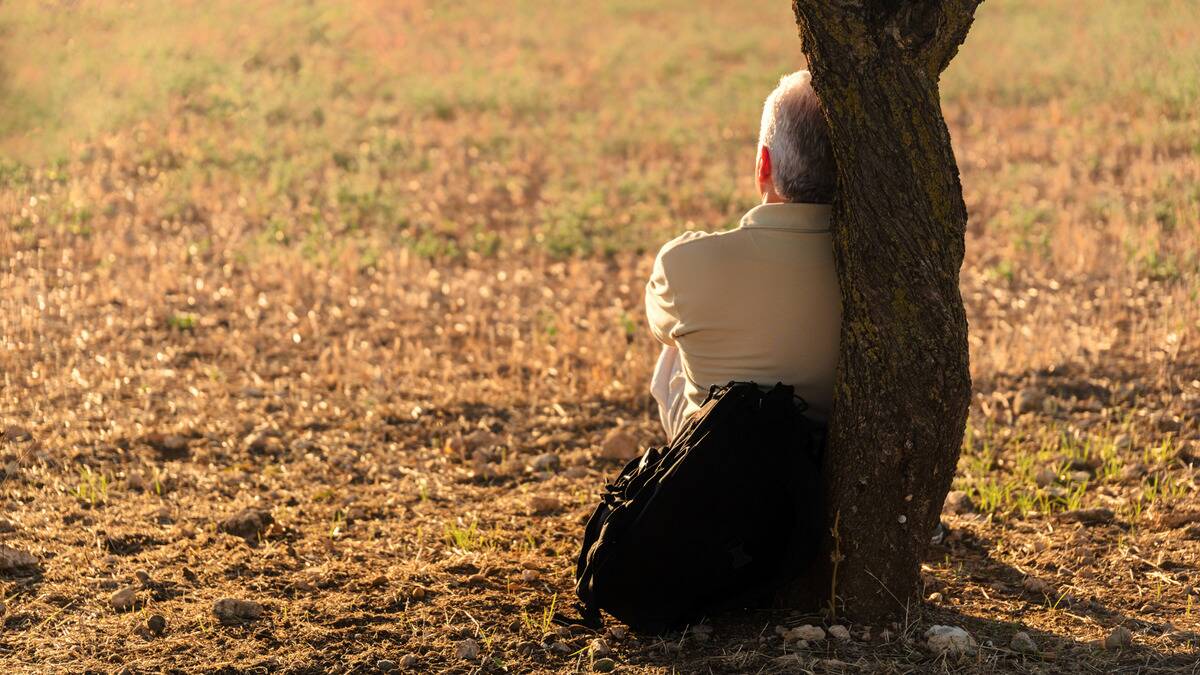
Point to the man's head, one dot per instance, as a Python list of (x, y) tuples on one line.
[(795, 159)]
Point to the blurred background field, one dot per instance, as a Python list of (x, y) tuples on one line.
[(319, 246), (454, 128)]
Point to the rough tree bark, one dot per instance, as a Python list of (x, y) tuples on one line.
[(899, 220)]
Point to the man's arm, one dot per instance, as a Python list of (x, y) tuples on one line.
[(661, 312)]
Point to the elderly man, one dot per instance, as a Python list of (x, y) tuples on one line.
[(760, 302)]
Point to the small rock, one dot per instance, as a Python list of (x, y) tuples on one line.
[(124, 600), (805, 632), (958, 502), (477, 580), (1079, 476), (247, 523), (529, 576), (576, 472), (619, 444), (1133, 472), (546, 462), (170, 446), (157, 624), (143, 577), (600, 647), (1181, 518), (1028, 400), (1046, 476), (950, 640), (1035, 585), (408, 661), (481, 440), (385, 665), (560, 648), (1097, 516), (1169, 423), (234, 611), (7, 526), (264, 443), (616, 632), (544, 504), (467, 649), (839, 632), (1119, 638), (936, 597), (789, 663), (1022, 643), (1087, 464), (14, 561), (15, 434), (604, 665)]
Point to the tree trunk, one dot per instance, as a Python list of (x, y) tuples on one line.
[(899, 221)]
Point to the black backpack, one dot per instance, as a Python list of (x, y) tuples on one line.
[(721, 518)]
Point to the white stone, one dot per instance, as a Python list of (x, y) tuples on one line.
[(839, 632), (806, 632), (950, 640)]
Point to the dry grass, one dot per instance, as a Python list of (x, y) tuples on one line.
[(359, 265)]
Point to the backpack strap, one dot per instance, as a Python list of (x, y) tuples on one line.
[(589, 617)]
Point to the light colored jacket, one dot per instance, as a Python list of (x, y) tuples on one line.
[(757, 303)]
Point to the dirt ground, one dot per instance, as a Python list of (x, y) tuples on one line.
[(406, 516), (321, 329)]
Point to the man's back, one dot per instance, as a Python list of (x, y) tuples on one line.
[(757, 303)]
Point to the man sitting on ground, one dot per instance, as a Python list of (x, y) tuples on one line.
[(758, 303)]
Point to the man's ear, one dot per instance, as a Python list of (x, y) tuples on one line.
[(764, 168)]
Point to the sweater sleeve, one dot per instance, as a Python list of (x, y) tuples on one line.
[(661, 310)]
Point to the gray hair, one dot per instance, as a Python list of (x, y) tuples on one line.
[(794, 130)]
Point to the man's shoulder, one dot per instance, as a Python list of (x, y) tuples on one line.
[(695, 245)]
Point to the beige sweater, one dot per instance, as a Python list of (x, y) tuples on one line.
[(756, 303)]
